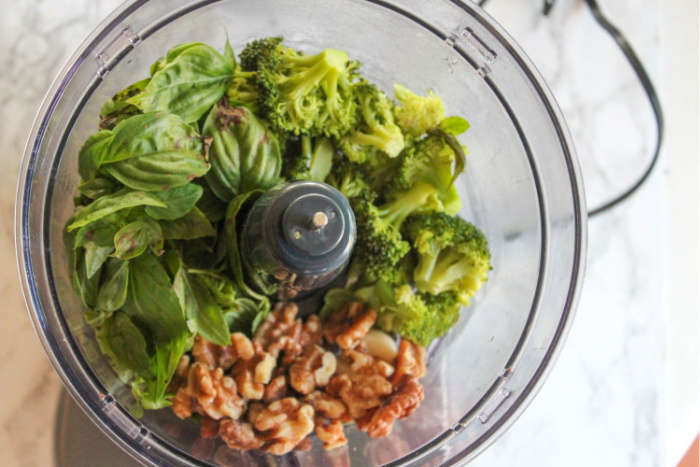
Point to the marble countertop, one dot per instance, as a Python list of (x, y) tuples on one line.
[(614, 396)]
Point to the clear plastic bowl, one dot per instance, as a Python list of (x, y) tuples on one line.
[(522, 187)]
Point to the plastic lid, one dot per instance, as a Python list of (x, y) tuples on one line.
[(309, 228)]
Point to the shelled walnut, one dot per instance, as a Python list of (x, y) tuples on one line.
[(297, 377)]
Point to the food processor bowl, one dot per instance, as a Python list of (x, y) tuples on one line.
[(522, 187)]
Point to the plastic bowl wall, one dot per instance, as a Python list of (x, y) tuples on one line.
[(522, 187)]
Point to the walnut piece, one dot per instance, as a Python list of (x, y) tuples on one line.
[(217, 356), (276, 390), (359, 392), (312, 368), (330, 433), (209, 428), (252, 375), (281, 322), (239, 435), (363, 363), (349, 326), (328, 406), (211, 391), (284, 423), (410, 360), (379, 421)]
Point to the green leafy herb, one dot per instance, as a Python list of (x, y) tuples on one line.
[(210, 204), (95, 256), (97, 188), (101, 231), (86, 286), (191, 79), (133, 239), (157, 137), (180, 200), (192, 225), (152, 305), (125, 346), (234, 220), (208, 309), (454, 125), (244, 154), (106, 205), (117, 109), (112, 293)]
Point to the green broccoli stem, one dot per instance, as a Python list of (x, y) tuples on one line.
[(414, 200), (324, 66), (424, 270), (378, 138), (450, 267)]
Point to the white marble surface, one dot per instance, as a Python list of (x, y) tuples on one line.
[(605, 402)]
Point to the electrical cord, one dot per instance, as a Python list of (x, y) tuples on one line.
[(646, 83)]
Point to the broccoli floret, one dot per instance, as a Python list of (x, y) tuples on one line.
[(242, 90), (348, 178), (444, 311), (308, 159), (302, 94), (434, 161), (453, 255), (417, 114), (376, 130), (418, 317), (260, 54), (420, 198), (379, 246)]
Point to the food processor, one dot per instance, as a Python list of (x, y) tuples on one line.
[(522, 187)]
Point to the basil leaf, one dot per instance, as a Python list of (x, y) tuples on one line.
[(233, 225), (117, 109), (85, 286), (101, 231), (124, 345), (133, 239), (150, 134), (152, 305), (246, 317), (229, 55), (112, 294), (151, 301), (179, 200), (188, 83), (97, 188), (192, 225), (454, 125), (92, 153), (204, 309), (211, 205), (201, 253), (108, 204), (160, 171), (95, 256), (244, 154), (165, 361), (144, 135)]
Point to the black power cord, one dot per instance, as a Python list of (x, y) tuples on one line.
[(646, 83)]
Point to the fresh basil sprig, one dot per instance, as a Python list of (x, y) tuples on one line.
[(146, 218), (244, 154), (187, 82)]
